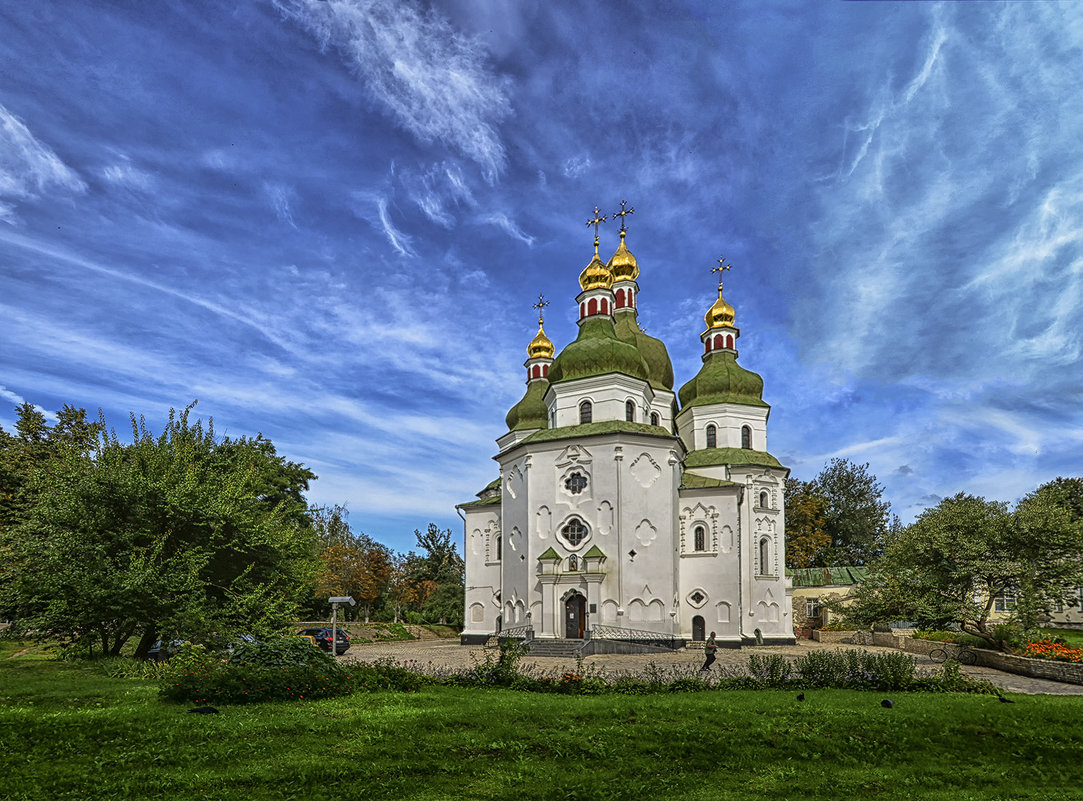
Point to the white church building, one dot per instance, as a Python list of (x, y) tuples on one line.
[(626, 511)]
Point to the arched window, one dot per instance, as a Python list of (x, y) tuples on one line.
[(586, 413), (582, 309), (592, 306), (718, 341), (573, 562), (763, 499), (765, 557), (654, 418), (746, 437), (499, 545), (574, 532), (712, 436), (700, 536), (729, 340), (620, 299), (630, 411), (605, 306)]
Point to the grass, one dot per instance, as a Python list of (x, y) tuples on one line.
[(1074, 637), (67, 731)]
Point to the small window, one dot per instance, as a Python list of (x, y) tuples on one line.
[(654, 418), (812, 608), (575, 483), (586, 413), (1005, 602), (573, 562), (499, 546), (764, 500), (574, 532), (746, 437), (700, 538), (765, 557), (712, 436), (697, 597), (630, 411)]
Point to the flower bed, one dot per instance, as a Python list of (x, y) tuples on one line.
[(1053, 650)]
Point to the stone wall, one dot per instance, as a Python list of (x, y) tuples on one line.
[(1068, 672), (819, 635)]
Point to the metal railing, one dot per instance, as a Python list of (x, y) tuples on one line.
[(639, 636)]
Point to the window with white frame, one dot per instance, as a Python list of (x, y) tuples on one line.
[(812, 608), (1005, 602)]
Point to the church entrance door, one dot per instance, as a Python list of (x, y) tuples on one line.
[(575, 615), (699, 629)]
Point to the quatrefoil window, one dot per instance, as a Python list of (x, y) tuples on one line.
[(698, 597), (575, 483)]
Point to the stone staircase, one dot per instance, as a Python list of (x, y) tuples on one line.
[(560, 649)]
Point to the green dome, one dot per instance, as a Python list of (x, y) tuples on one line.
[(597, 351), (653, 351), (722, 380), (531, 412)]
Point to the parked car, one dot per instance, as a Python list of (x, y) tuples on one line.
[(322, 637), (162, 650)]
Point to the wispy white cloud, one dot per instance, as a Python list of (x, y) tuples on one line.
[(28, 167), (123, 173), (505, 223), (281, 197), (18, 400), (434, 80)]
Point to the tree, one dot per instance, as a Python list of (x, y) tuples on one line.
[(436, 578), (960, 556), (179, 533), (806, 538), (855, 516), (1049, 544)]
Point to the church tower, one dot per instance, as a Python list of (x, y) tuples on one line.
[(619, 515)]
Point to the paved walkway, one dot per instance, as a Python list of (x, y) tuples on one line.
[(449, 654)]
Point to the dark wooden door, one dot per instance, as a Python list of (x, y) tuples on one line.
[(575, 613), (699, 629)]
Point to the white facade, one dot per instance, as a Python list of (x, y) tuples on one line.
[(621, 524)]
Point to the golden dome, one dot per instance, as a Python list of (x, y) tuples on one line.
[(540, 346), (720, 314), (596, 275), (623, 264)]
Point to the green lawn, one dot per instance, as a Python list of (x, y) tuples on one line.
[(68, 732), (1073, 637)]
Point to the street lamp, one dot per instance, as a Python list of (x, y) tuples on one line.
[(336, 601)]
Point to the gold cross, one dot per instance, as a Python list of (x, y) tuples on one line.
[(596, 222), (722, 267), (541, 304), (622, 213)]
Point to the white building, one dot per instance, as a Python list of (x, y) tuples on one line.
[(624, 510)]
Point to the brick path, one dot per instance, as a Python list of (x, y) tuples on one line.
[(448, 653)]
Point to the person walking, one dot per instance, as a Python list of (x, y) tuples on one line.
[(710, 649)]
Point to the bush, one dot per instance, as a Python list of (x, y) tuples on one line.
[(279, 670), (857, 670), (957, 637)]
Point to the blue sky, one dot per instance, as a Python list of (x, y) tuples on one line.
[(327, 222)]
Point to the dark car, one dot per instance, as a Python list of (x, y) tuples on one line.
[(162, 650), (323, 639)]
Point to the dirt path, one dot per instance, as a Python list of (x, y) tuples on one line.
[(449, 654)]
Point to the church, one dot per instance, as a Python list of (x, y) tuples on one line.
[(626, 511)]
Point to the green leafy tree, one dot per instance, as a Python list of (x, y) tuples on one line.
[(958, 557), (855, 514), (178, 533), (436, 577), (806, 536)]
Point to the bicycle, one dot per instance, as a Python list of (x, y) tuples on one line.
[(964, 657)]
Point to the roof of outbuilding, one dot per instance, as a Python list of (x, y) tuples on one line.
[(718, 456), (829, 576)]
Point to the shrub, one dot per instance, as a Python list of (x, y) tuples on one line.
[(278, 670), (769, 671), (857, 670)]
